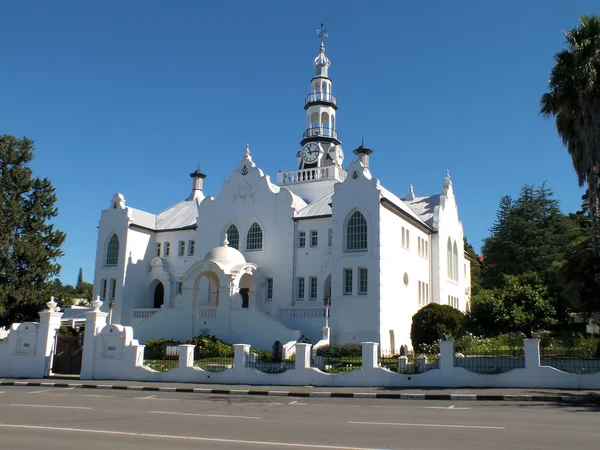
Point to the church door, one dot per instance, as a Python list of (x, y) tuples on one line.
[(245, 293), (159, 295)]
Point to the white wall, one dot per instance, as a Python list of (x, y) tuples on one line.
[(355, 318)]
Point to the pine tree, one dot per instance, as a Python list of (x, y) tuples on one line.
[(29, 243), (79, 279)]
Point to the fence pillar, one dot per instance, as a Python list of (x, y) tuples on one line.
[(402, 363), (240, 356), (302, 356), (532, 353), (369, 355), (186, 355), (49, 323), (95, 321), (446, 355)]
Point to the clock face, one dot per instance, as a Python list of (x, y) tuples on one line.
[(310, 152), (339, 155)]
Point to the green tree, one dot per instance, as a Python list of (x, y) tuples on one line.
[(79, 278), (29, 243), (577, 272), (434, 322), (574, 101), (523, 303), (476, 277), (530, 234)]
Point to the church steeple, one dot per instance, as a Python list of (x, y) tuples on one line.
[(320, 143)]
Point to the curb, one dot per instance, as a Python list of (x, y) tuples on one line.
[(571, 399)]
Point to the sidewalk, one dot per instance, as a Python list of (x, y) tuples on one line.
[(537, 395)]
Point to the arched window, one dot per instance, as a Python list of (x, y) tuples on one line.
[(233, 236), (356, 232), (455, 261), (449, 259), (112, 251), (254, 239)]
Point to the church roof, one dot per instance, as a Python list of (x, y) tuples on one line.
[(402, 204), (424, 207), (183, 214), (320, 207)]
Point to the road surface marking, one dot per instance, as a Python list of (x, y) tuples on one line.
[(186, 438), (50, 406), (150, 397), (51, 390), (433, 425), (174, 413), (446, 407)]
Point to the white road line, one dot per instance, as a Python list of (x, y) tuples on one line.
[(150, 397), (226, 416), (51, 390), (186, 438), (50, 406), (451, 407), (432, 425)]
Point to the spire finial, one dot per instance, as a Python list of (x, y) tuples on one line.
[(363, 142), (247, 151), (322, 34), (225, 241)]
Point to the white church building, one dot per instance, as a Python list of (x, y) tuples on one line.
[(259, 261)]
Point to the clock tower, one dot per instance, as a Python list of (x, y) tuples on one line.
[(320, 144)]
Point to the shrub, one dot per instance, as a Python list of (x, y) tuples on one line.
[(434, 322), (340, 351), (155, 348), (211, 347)]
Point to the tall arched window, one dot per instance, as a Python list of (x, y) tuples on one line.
[(112, 251), (254, 239), (449, 259), (356, 232), (233, 236), (455, 261)]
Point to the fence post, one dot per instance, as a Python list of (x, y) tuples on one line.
[(369, 355), (240, 356), (186, 355), (446, 355), (402, 363), (302, 356), (49, 323), (532, 353), (95, 321)]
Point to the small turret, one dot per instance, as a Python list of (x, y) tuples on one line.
[(197, 182), (362, 154)]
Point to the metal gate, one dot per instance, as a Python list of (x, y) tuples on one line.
[(68, 351)]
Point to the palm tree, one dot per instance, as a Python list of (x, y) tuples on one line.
[(574, 100)]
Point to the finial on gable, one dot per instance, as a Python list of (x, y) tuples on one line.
[(225, 241), (447, 185), (247, 155), (411, 193)]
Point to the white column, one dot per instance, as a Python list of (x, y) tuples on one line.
[(95, 321), (186, 355), (240, 356), (532, 353), (302, 356), (446, 355), (49, 323), (369, 355)]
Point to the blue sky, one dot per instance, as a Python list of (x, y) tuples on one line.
[(130, 96)]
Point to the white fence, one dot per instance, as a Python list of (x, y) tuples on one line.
[(111, 352)]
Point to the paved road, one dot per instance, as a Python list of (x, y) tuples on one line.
[(58, 418)]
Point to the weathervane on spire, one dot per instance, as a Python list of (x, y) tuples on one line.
[(322, 33)]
